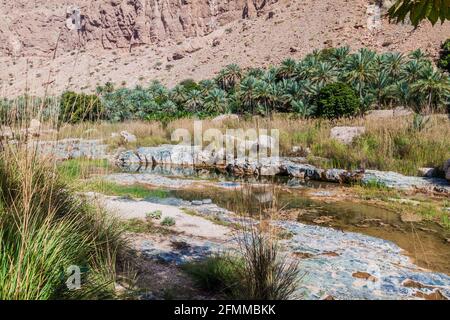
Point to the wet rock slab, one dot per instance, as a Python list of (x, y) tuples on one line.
[(398, 181), (180, 252), (345, 265), (362, 267)]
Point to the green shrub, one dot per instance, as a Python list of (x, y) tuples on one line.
[(168, 222), (154, 215), (78, 107), (444, 59), (216, 273), (258, 272), (337, 100)]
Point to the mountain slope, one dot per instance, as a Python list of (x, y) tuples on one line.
[(132, 42)]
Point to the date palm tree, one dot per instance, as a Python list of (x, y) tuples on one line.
[(287, 69), (361, 69), (418, 55), (379, 87), (419, 10), (412, 71), (339, 56), (434, 87), (303, 110), (178, 94), (247, 93), (392, 64), (207, 85), (323, 74), (256, 73), (290, 90), (401, 93), (194, 100), (263, 95), (216, 101), (229, 77)]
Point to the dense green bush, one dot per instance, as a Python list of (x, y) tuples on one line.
[(444, 60), (77, 107), (337, 100)]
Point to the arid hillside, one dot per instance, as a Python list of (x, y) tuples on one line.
[(50, 46)]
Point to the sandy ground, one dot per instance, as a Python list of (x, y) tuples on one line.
[(189, 225)]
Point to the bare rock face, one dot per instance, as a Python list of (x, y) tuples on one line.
[(40, 28)]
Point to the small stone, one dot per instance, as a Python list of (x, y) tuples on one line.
[(331, 254), (207, 201), (322, 220), (303, 255), (365, 276), (216, 42), (197, 202), (408, 283), (177, 56), (435, 295)]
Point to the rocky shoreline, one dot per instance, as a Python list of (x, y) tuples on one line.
[(188, 156)]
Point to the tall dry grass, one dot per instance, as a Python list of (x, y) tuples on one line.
[(388, 144), (258, 269)]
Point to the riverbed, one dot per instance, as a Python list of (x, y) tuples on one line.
[(348, 249)]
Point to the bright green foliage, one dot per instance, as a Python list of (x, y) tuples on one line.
[(419, 10), (380, 81), (154, 215), (44, 229), (76, 107), (444, 60), (337, 100), (168, 222), (216, 273)]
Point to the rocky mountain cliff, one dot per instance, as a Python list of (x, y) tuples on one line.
[(47, 46), (41, 26)]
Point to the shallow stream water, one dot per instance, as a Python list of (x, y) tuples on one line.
[(350, 250), (425, 241)]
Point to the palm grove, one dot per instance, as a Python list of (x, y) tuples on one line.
[(329, 83)]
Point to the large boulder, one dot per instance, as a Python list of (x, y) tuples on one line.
[(346, 134), (299, 170), (426, 172), (269, 166), (389, 113), (128, 137)]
